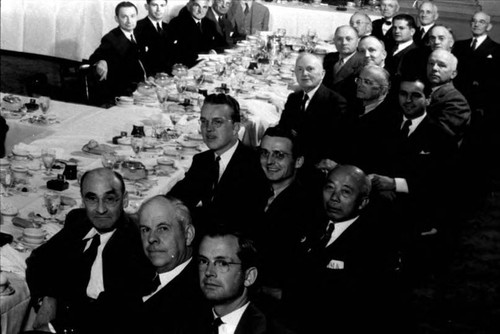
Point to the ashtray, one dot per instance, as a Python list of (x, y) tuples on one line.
[(31, 107)]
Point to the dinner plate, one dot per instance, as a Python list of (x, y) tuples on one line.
[(8, 291)]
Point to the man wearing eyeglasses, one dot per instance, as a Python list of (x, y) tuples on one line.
[(167, 234), (228, 270), (91, 275), (224, 183), (362, 23)]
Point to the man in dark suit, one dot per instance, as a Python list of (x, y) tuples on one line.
[(362, 23), (314, 112), (228, 268), (191, 33), (225, 183), (346, 264), (373, 50), (248, 17), (342, 67), (167, 235), (427, 17), (225, 30), (89, 277), (382, 28), (3, 135), (151, 33), (117, 60), (447, 105)]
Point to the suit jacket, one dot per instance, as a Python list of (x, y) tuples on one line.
[(239, 197), (257, 19), (474, 78), (450, 108), (124, 64), (187, 41), (223, 39), (388, 38), (154, 44), (54, 269), (343, 83), (421, 40), (319, 128), (401, 63), (165, 311), (3, 135)]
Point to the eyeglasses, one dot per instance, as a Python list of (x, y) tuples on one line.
[(216, 122), (366, 82), (109, 201), (226, 3), (221, 266), (277, 155), (481, 22), (358, 22)]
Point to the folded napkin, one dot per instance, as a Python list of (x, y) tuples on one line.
[(12, 260)]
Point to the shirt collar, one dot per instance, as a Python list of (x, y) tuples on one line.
[(312, 92), (155, 22), (404, 45), (480, 40), (427, 27), (232, 319), (168, 276), (415, 122), (243, 4), (373, 104), (340, 228), (226, 157), (127, 34), (348, 57)]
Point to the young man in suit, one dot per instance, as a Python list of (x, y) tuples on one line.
[(117, 60), (427, 17), (402, 58), (382, 28), (225, 29), (342, 67), (191, 33), (248, 17), (167, 234), (91, 275), (225, 181), (151, 33)]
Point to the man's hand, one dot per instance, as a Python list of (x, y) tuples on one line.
[(45, 314), (326, 165), (382, 183), (101, 68)]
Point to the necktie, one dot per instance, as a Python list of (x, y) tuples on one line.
[(221, 23), (474, 44), (247, 9), (270, 199), (158, 26), (199, 26), (328, 234), (405, 129), (388, 22), (338, 65), (215, 325), (215, 175), (89, 256), (132, 39), (422, 33), (155, 283), (303, 104)]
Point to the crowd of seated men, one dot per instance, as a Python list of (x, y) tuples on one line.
[(355, 197)]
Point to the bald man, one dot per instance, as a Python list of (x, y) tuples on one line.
[(427, 17), (94, 270), (362, 23)]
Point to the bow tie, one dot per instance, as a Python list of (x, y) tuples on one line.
[(388, 23)]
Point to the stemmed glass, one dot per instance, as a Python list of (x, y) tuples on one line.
[(162, 94), (181, 86), (48, 159), (44, 104), (137, 143), (52, 202)]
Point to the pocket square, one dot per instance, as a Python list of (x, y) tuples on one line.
[(425, 152), (335, 264), (489, 56)]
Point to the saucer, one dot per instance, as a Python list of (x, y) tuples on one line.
[(28, 244)]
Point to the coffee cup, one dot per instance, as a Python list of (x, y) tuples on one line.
[(33, 235), (20, 173)]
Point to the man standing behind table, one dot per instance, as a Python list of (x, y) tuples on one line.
[(117, 60), (427, 17), (191, 33), (225, 29), (382, 28), (248, 17), (342, 67), (90, 276), (225, 183), (151, 32), (168, 235), (362, 23)]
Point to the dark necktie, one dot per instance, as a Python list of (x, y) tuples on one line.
[(132, 39), (422, 33), (155, 283), (215, 174), (338, 65), (221, 23), (199, 26), (328, 234), (89, 256), (474, 44), (303, 104), (215, 325), (158, 25), (247, 9), (405, 129), (388, 22)]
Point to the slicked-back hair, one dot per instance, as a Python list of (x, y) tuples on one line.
[(228, 100), (285, 132), (117, 175), (182, 213), (124, 4), (406, 17)]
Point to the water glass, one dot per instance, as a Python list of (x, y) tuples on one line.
[(48, 159), (108, 160), (137, 143), (44, 102), (52, 202)]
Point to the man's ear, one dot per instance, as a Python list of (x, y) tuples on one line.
[(116, 20), (190, 233), (250, 276), (299, 162)]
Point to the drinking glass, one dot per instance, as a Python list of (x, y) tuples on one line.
[(162, 94), (7, 181), (48, 159), (181, 86), (137, 143), (108, 160), (52, 202), (44, 104)]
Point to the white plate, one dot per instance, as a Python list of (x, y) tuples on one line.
[(165, 161), (189, 144), (194, 136)]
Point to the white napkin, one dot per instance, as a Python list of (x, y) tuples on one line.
[(12, 260)]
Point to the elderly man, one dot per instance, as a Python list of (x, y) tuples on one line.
[(441, 37), (344, 261), (248, 17), (362, 23), (314, 112), (191, 33), (447, 106), (427, 17), (226, 180), (382, 28), (373, 49), (342, 67), (94, 270), (225, 29), (151, 34), (478, 58), (167, 234), (117, 60)]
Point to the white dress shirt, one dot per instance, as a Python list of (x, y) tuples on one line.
[(231, 320), (339, 229), (167, 277)]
